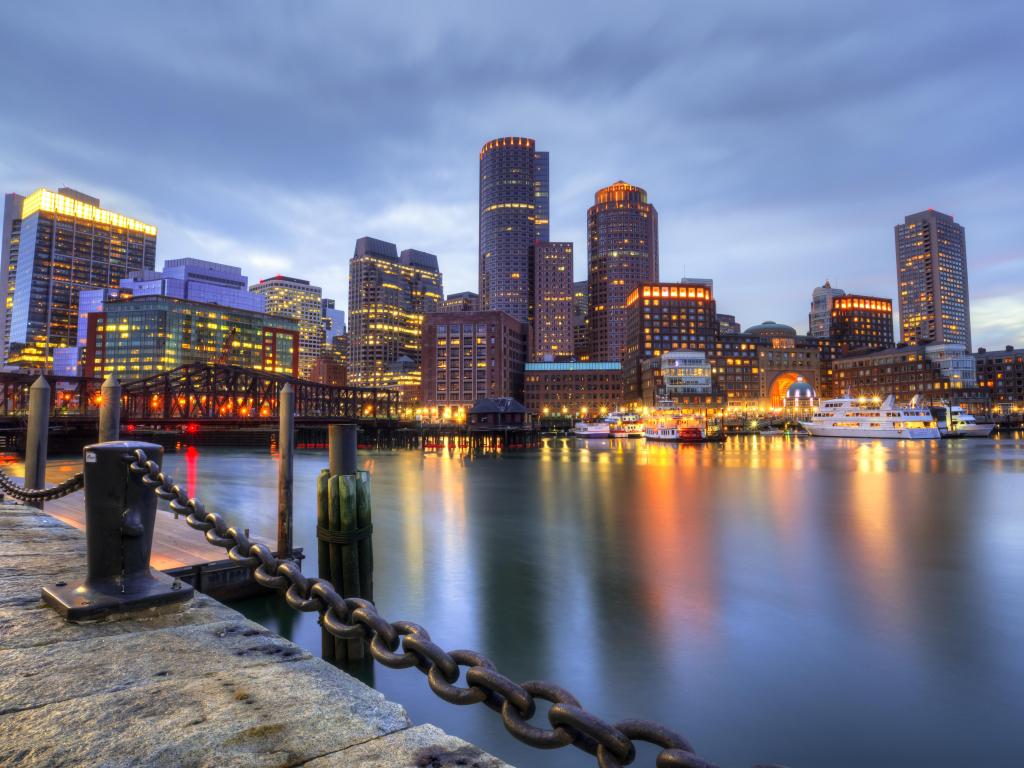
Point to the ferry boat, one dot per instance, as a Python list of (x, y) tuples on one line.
[(850, 417), (673, 429), (624, 425), (592, 429), (954, 421)]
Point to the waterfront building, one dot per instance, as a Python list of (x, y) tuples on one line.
[(570, 387), (682, 377), (552, 315), (727, 324), (464, 301), (494, 412), (334, 322), (801, 399), (144, 335), (661, 317), (388, 296), (1001, 376), (622, 254), (819, 320), (580, 298), (933, 371), (931, 269), (736, 370), (302, 302), (861, 322), (783, 357), (514, 196), (56, 245), (468, 356)]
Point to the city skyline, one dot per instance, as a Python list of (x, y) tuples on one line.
[(778, 192)]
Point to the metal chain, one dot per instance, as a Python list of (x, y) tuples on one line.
[(69, 486), (403, 644)]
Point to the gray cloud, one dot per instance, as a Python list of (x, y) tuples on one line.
[(781, 142)]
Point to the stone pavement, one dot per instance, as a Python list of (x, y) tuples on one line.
[(197, 685)]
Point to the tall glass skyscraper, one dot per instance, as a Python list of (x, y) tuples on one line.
[(622, 253), (302, 302), (514, 214), (819, 319), (931, 269), (65, 243)]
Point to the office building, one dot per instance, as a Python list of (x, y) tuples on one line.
[(861, 322), (622, 253), (1001, 376), (571, 388), (819, 320), (682, 377), (580, 298), (302, 302), (933, 371), (140, 336), (334, 322), (736, 369), (388, 296), (931, 269), (513, 216), (465, 301), (727, 324), (65, 243), (468, 356), (551, 321)]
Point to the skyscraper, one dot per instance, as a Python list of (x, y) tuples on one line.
[(931, 267), (65, 243), (820, 317), (388, 296), (302, 302), (513, 216), (551, 325), (622, 253), (861, 322)]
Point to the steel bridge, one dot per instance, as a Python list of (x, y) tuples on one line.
[(201, 393)]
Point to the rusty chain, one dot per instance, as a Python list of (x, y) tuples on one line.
[(74, 483), (403, 644)]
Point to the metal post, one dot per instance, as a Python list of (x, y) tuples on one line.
[(342, 443), (38, 432), (120, 517), (286, 450), (110, 410)]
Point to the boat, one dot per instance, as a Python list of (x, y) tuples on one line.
[(592, 429), (859, 417), (954, 421), (673, 428)]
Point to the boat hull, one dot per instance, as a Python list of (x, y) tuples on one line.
[(822, 430), (969, 430)]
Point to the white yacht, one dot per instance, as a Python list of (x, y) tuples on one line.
[(860, 417), (954, 421), (592, 429)]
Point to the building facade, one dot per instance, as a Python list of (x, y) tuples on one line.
[(936, 372), (580, 298), (388, 296), (861, 322), (297, 300), (334, 322), (728, 324), (514, 214), (468, 356), (1001, 377), (571, 388), (551, 318), (465, 301), (819, 319), (144, 335), (622, 253), (66, 243), (931, 269), (683, 378)]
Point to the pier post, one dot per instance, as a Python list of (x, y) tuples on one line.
[(110, 410), (286, 467), (37, 435)]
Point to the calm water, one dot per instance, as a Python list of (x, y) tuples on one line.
[(810, 602)]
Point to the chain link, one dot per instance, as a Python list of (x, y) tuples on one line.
[(64, 488), (402, 644)]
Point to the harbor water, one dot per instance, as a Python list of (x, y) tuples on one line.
[(812, 602)]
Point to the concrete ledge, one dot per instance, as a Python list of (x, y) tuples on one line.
[(196, 685)]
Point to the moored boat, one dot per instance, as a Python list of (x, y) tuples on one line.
[(954, 421), (859, 417), (592, 429)]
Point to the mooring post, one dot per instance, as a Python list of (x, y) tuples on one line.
[(110, 410), (36, 437), (286, 452)]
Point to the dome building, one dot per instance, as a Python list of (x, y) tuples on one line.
[(769, 329), (801, 397)]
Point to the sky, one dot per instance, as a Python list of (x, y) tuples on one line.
[(780, 142)]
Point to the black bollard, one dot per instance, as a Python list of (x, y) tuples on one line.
[(120, 517)]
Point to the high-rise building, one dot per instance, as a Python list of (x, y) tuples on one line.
[(302, 302), (513, 216), (931, 267), (551, 322), (858, 323), (819, 319), (388, 296), (580, 298), (622, 253), (466, 301), (334, 322), (727, 324), (196, 280), (58, 244), (13, 203), (468, 356)]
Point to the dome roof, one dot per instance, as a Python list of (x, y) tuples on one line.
[(769, 329), (800, 390)]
